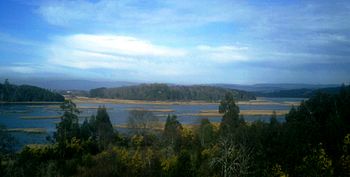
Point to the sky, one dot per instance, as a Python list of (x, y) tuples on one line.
[(177, 41)]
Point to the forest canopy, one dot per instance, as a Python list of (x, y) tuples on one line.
[(164, 92), (15, 93)]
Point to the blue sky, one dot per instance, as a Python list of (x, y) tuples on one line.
[(197, 41)]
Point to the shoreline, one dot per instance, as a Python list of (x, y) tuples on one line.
[(259, 101), (146, 102)]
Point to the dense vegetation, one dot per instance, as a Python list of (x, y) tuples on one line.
[(298, 93), (165, 92), (12, 93), (314, 141)]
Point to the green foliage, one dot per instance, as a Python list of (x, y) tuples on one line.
[(315, 164), (36, 160), (231, 160), (172, 131), (206, 133), (122, 162), (68, 128), (298, 93), (102, 128), (165, 92), (13, 93), (7, 141), (230, 120), (321, 119), (345, 158), (314, 141), (142, 121), (7, 144)]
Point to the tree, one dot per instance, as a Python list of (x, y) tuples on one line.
[(184, 166), (68, 128), (7, 141), (316, 164), (231, 160), (104, 131), (172, 129), (9, 92), (345, 158), (7, 144), (230, 119), (205, 132), (142, 121)]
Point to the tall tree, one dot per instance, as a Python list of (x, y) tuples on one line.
[(103, 127), (69, 125), (172, 129), (232, 160), (205, 132), (230, 119), (7, 144), (142, 121)]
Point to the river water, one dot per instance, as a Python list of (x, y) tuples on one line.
[(21, 115)]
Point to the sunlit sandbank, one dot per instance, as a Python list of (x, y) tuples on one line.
[(28, 130), (119, 101), (215, 113), (150, 110), (160, 126), (58, 107), (44, 117)]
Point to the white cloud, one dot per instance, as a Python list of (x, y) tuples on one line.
[(113, 52), (137, 57), (122, 45)]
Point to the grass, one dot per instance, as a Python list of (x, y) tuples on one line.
[(162, 103), (263, 102), (158, 127), (263, 112), (57, 107), (150, 110), (121, 101), (215, 113), (39, 117), (15, 111), (45, 117), (28, 130)]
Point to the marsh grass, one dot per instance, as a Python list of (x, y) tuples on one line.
[(164, 103), (215, 113), (45, 117), (39, 117), (28, 130), (150, 110)]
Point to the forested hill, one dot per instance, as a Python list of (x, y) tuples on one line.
[(13, 93), (298, 93), (164, 92)]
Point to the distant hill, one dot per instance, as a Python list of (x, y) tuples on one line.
[(169, 92), (274, 87), (298, 93), (64, 85), (14, 93)]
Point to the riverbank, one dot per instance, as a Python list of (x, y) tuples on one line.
[(144, 102)]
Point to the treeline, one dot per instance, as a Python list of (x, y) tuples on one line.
[(164, 92), (298, 93), (313, 142), (13, 93)]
